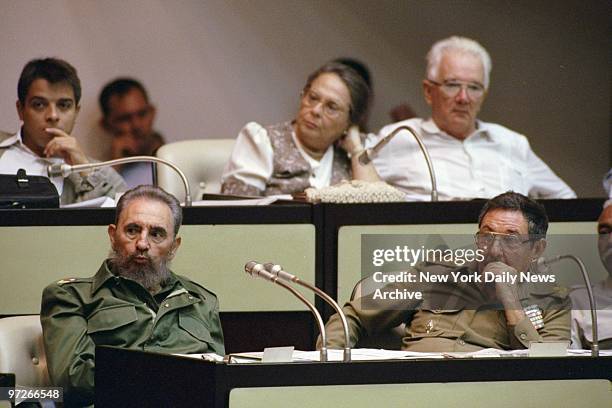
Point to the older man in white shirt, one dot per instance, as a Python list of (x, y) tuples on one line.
[(471, 158)]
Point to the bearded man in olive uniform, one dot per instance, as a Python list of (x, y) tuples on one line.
[(476, 315), (133, 301)]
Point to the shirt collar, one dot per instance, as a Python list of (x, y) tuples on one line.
[(430, 127), (15, 139)]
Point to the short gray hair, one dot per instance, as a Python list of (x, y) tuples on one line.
[(152, 193), (460, 44)]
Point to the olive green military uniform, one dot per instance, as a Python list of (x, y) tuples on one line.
[(79, 313), (461, 325)]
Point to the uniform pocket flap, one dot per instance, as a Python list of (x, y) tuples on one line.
[(111, 317), (194, 326)]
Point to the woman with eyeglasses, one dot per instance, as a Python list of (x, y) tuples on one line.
[(319, 148)]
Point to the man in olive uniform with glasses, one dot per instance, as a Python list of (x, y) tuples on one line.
[(133, 301), (472, 158), (501, 313)]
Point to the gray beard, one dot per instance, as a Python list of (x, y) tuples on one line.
[(151, 276)]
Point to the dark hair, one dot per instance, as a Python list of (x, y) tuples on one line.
[(152, 193), (534, 212), (53, 70), (120, 87), (360, 67), (358, 88)]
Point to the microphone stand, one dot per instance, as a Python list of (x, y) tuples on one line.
[(278, 271), (65, 170), (257, 270), (368, 155), (587, 281)]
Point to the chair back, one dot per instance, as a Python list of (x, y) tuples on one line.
[(22, 351), (202, 161)]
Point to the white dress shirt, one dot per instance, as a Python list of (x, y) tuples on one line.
[(581, 324), (252, 159), (489, 162), (19, 156)]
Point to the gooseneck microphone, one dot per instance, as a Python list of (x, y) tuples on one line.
[(278, 271), (368, 155), (64, 170), (257, 270), (543, 262)]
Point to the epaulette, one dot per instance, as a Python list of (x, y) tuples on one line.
[(70, 280)]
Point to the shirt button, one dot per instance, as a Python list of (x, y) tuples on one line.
[(190, 297), (523, 336), (461, 342), (166, 304)]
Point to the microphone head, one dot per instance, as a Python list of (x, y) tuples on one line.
[(55, 170), (272, 268), (364, 157), (257, 270), (253, 268), (278, 271)]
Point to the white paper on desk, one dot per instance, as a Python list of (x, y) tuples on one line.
[(278, 354), (486, 353), (548, 348), (97, 202), (251, 201), (336, 355), (582, 352), (245, 358), (363, 354), (202, 356)]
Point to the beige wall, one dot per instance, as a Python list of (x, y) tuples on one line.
[(78, 251), (212, 66)]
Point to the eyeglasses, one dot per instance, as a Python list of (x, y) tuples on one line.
[(330, 108), (452, 88), (486, 240)]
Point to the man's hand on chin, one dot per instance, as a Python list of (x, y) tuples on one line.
[(507, 292), (65, 146)]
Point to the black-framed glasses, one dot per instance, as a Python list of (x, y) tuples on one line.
[(486, 240), (452, 88), (329, 108)]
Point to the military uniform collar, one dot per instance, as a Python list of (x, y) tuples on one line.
[(102, 276)]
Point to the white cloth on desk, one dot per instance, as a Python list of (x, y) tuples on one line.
[(19, 156), (252, 159), (489, 162)]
